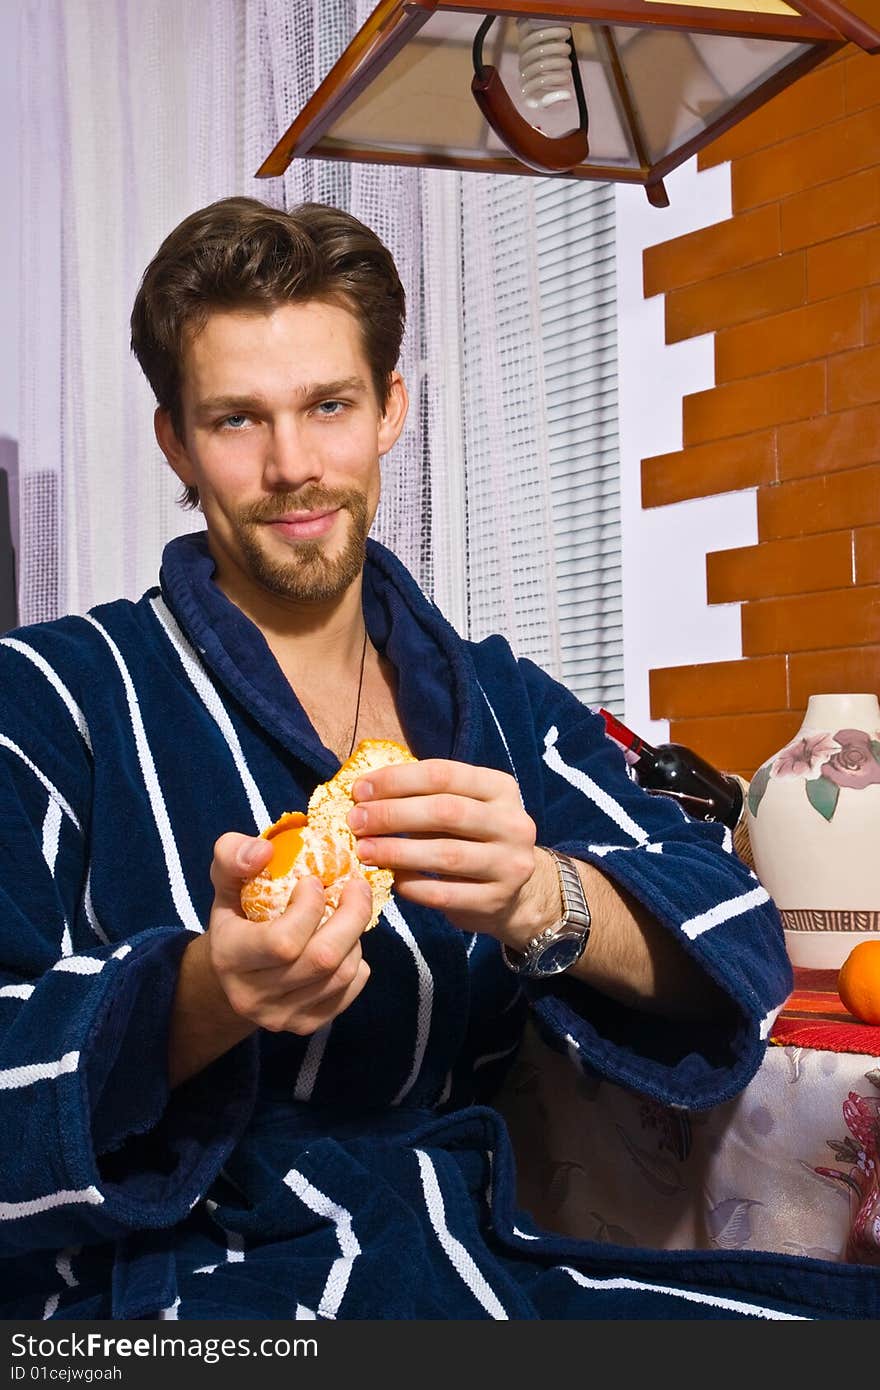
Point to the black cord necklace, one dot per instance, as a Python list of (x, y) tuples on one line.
[(357, 708)]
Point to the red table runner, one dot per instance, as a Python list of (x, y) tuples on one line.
[(814, 1016)]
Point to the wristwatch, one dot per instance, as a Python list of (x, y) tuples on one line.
[(560, 946)]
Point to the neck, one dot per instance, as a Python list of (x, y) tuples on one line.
[(325, 635)]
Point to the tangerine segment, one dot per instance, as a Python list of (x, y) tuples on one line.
[(299, 851), (858, 981), (325, 857), (265, 898)]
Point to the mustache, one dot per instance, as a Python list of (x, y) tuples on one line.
[(312, 500)]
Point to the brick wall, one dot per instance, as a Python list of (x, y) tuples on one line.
[(790, 287)]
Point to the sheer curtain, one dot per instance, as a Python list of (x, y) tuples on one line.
[(136, 112), (131, 119), (490, 465)]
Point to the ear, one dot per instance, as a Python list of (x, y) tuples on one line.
[(393, 417), (171, 446)]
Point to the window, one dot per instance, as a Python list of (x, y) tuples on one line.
[(578, 296)]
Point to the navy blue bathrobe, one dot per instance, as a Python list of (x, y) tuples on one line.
[(360, 1172)]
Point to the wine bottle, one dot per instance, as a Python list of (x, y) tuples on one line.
[(673, 770)]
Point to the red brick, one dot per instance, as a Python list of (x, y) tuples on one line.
[(719, 687), (830, 443), (854, 379), (827, 503), (726, 465), (733, 744), (772, 568), (816, 330), (806, 622), (711, 251), (847, 263), (861, 87), (843, 669), (753, 293), (741, 406), (871, 304), (866, 554), (830, 210), (840, 55), (819, 156), (809, 102)]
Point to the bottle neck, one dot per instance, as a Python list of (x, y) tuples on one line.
[(626, 738), (676, 771)]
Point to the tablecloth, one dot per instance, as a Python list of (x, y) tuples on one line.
[(791, 1164)]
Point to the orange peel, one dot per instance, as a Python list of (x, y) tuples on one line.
[(321, 844)]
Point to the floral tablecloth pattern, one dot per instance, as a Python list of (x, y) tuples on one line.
[(792, 1164)]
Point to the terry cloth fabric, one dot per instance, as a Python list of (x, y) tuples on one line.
[(814, 1016), (360, 1172)]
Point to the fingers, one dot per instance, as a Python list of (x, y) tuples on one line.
[(433, 776), (456, 859), (294, 948), (445, 813), (236, 858), (312, 972), (317, 959), (304, 1012), (473, 906), (464, 824), (440, 797), (241, 945)]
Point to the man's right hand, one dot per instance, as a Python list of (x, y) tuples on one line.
[(284, 975)]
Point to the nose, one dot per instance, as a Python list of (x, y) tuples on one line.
[(291, 462)]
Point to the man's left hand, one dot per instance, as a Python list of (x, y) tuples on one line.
[(466, 827)]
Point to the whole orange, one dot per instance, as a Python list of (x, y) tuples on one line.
[(858, 981)]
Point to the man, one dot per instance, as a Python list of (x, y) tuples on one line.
[(209, 1117)]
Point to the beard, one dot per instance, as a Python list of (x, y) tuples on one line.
[(308, 574)]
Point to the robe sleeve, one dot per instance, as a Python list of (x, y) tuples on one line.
[(92, 1144), (687, 874)]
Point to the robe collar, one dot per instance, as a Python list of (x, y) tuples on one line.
[(437, 690)]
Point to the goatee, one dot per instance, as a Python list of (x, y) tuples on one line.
[(308, 574)]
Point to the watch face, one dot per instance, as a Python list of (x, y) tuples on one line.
[(560, 953)]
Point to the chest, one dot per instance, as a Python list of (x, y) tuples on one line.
[(340, 717)]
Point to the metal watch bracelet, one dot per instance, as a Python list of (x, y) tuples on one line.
[(541, 955)]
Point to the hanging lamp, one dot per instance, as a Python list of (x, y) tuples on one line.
[(622, 90)]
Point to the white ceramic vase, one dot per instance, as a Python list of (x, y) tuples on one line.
[(814, 828)]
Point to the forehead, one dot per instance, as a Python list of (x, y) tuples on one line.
[(277, 350)]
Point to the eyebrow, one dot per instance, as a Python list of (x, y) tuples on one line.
[(320, 390)]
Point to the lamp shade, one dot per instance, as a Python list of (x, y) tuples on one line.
[(617, 90)]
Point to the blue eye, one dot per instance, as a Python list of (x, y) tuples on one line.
[(230, 421), (331, 408)]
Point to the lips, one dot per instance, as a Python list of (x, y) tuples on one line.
[(303, 525)]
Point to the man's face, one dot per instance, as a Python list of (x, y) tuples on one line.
[(282, 436)]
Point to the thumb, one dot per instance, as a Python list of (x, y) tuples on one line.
[(236, 858)]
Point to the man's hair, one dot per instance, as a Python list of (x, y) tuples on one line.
[(239, 253)]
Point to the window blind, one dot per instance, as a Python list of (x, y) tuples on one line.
[(578, 302)]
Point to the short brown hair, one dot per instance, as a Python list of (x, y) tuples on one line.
[(241, 253)]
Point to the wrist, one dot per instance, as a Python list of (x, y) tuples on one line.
[(540, 905), (560, 945), (204, 1024)]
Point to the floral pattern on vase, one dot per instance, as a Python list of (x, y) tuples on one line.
[(813, 818), (826, 762)]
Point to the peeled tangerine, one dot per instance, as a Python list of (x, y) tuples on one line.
[(321, 844)]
